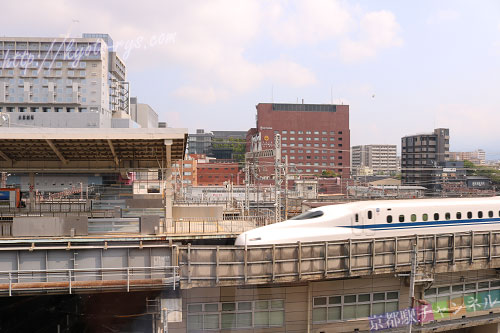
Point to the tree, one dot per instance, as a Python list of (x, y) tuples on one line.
[(329, 174)]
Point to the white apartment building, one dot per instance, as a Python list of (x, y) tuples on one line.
[(381, 159), (61, 82)]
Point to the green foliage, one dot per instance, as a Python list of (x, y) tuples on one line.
[(329, 174), (484, 171), (238, 147)]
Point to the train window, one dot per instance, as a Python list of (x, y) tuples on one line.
[(413, 217), (469, 215), (459, 215), (447, 216), (490, 213), (370, 214), (480, 214), (436, 216), (401, 218), (308, 215), (425, 217), (389, 218), (356, 217)]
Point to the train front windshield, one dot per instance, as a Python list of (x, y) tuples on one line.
[(308, 215)]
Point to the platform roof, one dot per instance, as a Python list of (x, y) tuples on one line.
[(89, 149)]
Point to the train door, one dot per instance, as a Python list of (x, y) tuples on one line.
[(357, 225), (368, 219)]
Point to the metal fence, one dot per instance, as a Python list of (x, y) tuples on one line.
[(114, 225), (236, 265), (228, 225), (18, 282)]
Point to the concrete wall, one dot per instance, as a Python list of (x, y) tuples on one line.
[(148, 224), (49, 226), (197, 211), (144, 203)]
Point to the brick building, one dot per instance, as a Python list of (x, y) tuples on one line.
[(218, 173), (315, 137)]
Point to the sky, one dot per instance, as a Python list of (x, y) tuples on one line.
[(403, 67)]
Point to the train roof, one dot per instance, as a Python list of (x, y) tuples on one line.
[(412, 203)]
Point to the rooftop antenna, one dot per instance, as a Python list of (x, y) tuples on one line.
[(331, 94), (272, 93)]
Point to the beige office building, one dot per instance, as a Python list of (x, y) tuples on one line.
[(381, 159), (62, 82)]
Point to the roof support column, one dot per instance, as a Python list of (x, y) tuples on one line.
[(56, 151), (5, 157), (32, 191), (167, 180), (113, 152)]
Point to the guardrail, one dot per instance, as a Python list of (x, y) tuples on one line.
[(201, 225), (24, 282), (203, 266)]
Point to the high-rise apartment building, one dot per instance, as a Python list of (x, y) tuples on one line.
[(381, 159), (422, 155), (62, 82), (314, 137)]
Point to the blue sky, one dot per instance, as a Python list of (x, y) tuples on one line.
[(403, 67)]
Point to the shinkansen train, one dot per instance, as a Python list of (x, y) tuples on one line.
[(380, 218)]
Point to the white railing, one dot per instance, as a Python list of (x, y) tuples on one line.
[(71, 279)]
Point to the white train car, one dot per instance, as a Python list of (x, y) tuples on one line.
[(380, 218)]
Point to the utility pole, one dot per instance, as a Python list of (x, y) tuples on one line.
[(277, 178), (247, 188), (286, 187), (412, 282)]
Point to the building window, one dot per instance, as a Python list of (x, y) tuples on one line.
[(301, 132), (335, 308), (292, 132), (284, 132), (244, 314)]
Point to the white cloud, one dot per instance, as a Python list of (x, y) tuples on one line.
[(298, 22), (377, 31), (200, 94), (358, 35), (443, 15)]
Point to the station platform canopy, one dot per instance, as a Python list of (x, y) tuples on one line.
[(89, 149)]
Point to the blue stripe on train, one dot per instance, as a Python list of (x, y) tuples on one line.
[(412, 225)]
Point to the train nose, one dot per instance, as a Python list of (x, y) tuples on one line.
[(247, 239)]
